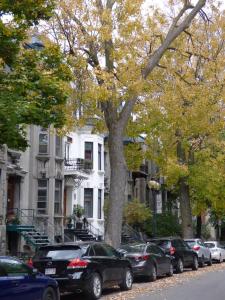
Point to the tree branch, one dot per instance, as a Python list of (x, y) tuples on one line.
[(172, 34)]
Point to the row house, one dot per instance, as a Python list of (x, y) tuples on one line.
[(39, 187)]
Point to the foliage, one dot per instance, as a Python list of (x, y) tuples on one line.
[(136, 213), (33, 84), (167, 224), (78, 210)]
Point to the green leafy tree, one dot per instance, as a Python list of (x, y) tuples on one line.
[(33, 84)]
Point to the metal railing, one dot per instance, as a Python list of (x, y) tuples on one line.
[(78, 164), (131, 232)]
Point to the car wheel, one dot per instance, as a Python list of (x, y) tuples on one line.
[(170, 273), (209, 263), (94, 287), (49, 294), (126, 285), (202, 262), (153, 274), (195, 263), (180, 266)]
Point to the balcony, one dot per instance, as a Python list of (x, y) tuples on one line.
[(78, 164)]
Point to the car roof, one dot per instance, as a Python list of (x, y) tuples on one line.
[(79, 243), (168, 238)]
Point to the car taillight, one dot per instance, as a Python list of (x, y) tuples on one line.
[(77, 263), (196, 248), (142, 257), (172, 250), (30, 262)]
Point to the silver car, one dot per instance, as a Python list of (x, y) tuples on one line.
[(218, 253), (204, 253)]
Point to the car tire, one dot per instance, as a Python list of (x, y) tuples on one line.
[(202, 262), (49, 294), (209, 263), (153, 274), (195, 263), (180, 266), (94, 287), (170, 273), (127, 282)]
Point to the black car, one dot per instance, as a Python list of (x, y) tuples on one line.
[(84, 266), (183, 255), (148, 260)]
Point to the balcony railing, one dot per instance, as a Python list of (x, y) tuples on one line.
[(78, 164)]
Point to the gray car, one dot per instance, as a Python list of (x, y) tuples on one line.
[(204, 253)]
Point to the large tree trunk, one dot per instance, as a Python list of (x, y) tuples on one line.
[(117, 187), (185, 209)]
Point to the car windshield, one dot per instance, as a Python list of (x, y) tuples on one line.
[(134, 248), (210, 245), (162, 243), (60, 253)]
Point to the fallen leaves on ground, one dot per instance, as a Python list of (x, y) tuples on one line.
[(142, 287)]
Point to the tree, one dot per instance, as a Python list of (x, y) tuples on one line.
[(114, 48), (184, 119), (33, 84)]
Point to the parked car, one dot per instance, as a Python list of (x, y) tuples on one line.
[(183, 255), (204, 254), (18, 281), (217, 252), (84, 266), (148, 260)]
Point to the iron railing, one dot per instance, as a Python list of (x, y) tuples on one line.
[(78, 164)]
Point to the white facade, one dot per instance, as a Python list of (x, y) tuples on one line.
[(86, 148)]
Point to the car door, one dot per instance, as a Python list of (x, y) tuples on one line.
[(117, 264), (102, 258), (20, 280), (6, 287), (159, 257)]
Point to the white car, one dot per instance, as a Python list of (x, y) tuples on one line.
[(204, 253), (218, 253)]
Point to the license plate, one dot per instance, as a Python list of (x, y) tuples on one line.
[(50, 271)]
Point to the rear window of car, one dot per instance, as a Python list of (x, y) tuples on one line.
[(61, 253), (210, 245), (134, 248), (190, 243), (162, 243)]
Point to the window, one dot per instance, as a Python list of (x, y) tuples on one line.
[(67, 147), (88, 203), (99, 156), (99, 250), (58, 197), (58, 146), (42, 196), (110, 251), (14, 267), (99, 204), (43, 141), (88, 154)]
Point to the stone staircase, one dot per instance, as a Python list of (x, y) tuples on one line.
[(79, 235)]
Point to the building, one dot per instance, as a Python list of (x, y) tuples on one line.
[(84, 176)]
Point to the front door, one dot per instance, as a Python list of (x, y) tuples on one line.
[(11, 194)]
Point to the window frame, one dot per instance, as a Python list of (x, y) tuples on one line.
[(91, 160), (58, 190), (91, 200), (99, 204), (41, 188), (43, 131), (99, 157), (58, 146)]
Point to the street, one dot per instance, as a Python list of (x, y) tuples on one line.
[(207, 283)]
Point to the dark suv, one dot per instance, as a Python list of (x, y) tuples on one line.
[(183, 255), (84, 266)]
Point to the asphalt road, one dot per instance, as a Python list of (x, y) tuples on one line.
[(210, 286)]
